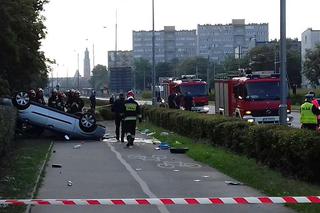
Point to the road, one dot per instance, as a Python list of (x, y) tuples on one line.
[(108, 170)]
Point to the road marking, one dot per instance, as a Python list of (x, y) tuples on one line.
[(144, 186)]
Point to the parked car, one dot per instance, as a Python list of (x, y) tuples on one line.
[(82, 126)]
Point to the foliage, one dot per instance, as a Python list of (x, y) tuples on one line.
[(99, 77), (105, 113), (146, 95), (312, 65), (22, 63), (7, 128), (143, 73), (292, 151), (164, 69)]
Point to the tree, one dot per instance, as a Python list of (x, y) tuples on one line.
[(312, 65), (143, 73), (99, 77), (164, 69), (22, 64)]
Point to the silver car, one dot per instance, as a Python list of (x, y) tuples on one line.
[(83, 126)]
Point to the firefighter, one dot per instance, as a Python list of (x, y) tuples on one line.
[(60, 102), (118, 110), (188, 102), (33, 95), (131, 113), (53, 100), (39, 96), (309, 114)]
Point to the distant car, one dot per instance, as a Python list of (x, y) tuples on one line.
[(81, 126)]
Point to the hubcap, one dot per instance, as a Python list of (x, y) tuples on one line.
[(22, 98), (87, 121)]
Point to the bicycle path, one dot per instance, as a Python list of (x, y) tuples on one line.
[(108, 170)]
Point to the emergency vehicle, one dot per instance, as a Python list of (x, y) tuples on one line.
[(186, 85), (253, 97)]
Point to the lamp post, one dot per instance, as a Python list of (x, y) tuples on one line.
[(283, 65), (153, 60)]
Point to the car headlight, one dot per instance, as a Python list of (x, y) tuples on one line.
[(248, 112), (250, 120)]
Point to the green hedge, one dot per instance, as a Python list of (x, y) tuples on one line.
[(294, 152), (7, 129), (105, 113)]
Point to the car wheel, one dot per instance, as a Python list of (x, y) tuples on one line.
[(21, 100), (87, 122)]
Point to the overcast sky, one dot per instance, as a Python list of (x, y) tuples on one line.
[(74, 25)]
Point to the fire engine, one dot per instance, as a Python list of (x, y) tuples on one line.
[(254, 97), (186, 85)]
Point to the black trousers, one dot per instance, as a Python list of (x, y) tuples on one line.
[(309, 126), (130, 127), (118, 122)]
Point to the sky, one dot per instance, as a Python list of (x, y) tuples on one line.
[(74, 25)]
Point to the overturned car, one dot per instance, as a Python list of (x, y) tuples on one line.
[(82, 126)]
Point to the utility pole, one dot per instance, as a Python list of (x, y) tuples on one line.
[(283, 66), (153, 60), (116, 40), (78, 71)]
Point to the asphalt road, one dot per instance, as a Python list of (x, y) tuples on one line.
[(108, 170)]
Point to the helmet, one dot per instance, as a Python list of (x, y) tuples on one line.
[(130, 94), (309, 97)]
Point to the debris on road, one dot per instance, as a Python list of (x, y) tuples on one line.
[(233, 183), (77, 146), (56, 166), (164, 146), (179, 150), (145, 131), (54, 151), (151, 133), (197, 180), (164, 133), (69, 183), (157, 148), (138, 169), (67, 137)]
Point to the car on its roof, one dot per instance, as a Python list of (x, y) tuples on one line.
[(82, 126)]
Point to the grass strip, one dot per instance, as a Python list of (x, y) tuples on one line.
[(241, 168), (19, 175)]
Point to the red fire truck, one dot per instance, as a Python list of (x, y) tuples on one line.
[(186, 85), (254, 97)]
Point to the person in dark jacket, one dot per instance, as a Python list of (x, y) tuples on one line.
[(93, 101), (39, 96), (188, 101), (171, 101), (132, 112), (118, 110)]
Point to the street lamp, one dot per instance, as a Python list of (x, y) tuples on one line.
[(283, 66), (153, 60)]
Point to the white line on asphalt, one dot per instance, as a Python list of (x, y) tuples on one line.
[(145, 188)]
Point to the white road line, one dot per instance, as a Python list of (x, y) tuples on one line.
[(144, 186)]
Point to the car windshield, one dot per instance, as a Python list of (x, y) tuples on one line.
[(263, 91), (195, 90)]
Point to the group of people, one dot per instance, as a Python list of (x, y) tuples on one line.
[(68, 101), (310, 112), (127, 112), (177, 100)]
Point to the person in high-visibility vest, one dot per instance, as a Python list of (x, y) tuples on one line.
[(309, 113)]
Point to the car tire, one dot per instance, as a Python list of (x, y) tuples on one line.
[(21, 100), (87, 122)]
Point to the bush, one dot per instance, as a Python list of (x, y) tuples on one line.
[(146, 95), (7, 129), (294, 152), (105, 113)]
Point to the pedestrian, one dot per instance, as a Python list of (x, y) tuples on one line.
[(61, 101), (32, 95), (315, 103), (294, 89), (171, 101), (309, 114), (93, 101), (132, 112), (111, 100), (118, 110)]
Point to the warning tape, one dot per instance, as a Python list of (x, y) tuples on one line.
[(166, 201)]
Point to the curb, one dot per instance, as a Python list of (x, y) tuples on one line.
[(28, 209)]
